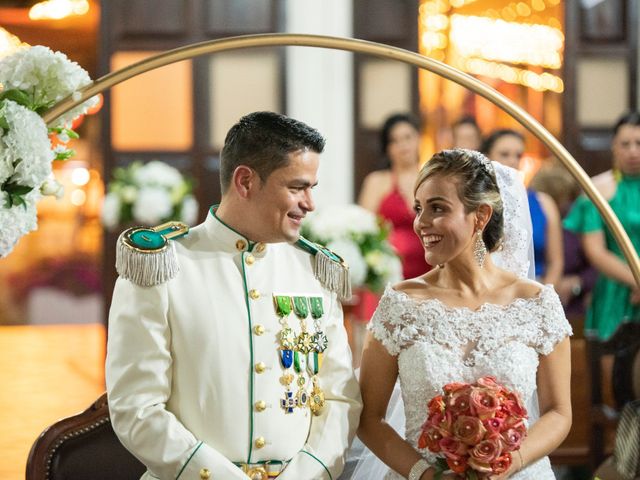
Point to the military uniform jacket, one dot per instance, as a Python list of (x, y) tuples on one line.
[(193, 369)]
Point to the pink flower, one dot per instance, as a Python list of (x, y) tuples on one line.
[(454, 387), (457, 464), (459, 403), (514, 405), (512, 438), (468, 429), (484, 402), (493, 425), (501, 464), (479, 466), (487, 450), (430, 438), (453, 448), (488, 382), (436, 405)]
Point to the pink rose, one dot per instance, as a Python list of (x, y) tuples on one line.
[(453, 448), (488, 382), (514, 405), (468, 430), (436, 404), (459, 403), (442, 420), (483, 402), (430, 438), (501, 464), (512, 439), (493, 425), (487, 450), (454, 387), (457, 464)]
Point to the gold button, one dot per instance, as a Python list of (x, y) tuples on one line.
[(260, 442), (260, 367), (205, 474), (261, 405), (258, 330), (250, 259), (241, 244), (260, 247), (254, 294)]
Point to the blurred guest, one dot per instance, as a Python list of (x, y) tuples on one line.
[(507, 147), (466, 134), (616, 295), (389, 193), (578, 276)]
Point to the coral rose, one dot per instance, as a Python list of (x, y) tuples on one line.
[(468, 430)]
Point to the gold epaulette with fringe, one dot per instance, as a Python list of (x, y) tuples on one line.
[(329, 268), (146, 257)]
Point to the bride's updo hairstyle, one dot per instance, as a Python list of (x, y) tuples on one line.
[(477, 185)]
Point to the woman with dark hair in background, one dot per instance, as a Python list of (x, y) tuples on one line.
[(389, 193), (616, 297), (506, 146)]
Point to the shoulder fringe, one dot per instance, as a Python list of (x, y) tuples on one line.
[(146, 268), (332, 274)]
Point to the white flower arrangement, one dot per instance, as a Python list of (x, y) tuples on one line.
[(32, 80), (148, 194), (360, 239)]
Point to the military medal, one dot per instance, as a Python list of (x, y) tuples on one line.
[(316, 399), (287, 338)]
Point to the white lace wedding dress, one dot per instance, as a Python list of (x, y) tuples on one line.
[(437, 344)]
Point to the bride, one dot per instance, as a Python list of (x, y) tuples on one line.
[(464, 320)]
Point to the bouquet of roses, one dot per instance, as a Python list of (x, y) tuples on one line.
[(475, 428)]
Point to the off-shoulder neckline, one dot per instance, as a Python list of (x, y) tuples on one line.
[(485, 306)]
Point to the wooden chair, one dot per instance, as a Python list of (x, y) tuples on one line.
[(624, 346), (82, 447)]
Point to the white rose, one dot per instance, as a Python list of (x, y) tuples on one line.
[(111, 210), (158, 174), (52, 187), (152, 205), (17, 221), (350, 252)]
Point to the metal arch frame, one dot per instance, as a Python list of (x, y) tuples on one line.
[(378, 50)]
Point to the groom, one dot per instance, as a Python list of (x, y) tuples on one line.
[(227, 356)]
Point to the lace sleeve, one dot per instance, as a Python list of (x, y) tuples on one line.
[(553, 326), (389, 324)]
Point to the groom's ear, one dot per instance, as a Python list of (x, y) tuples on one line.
[(483, 215)]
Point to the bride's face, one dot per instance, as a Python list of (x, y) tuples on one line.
[(441, 222)]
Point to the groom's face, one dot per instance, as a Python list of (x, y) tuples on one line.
[(441, 222)]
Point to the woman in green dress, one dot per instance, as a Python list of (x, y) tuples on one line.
[(616, 296)]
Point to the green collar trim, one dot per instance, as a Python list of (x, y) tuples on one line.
[(251, 370), (213, 210)]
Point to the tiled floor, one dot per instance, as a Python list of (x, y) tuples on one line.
[(46, 373)]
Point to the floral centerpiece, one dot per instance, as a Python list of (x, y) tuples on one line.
[(475, 428), (148, 194), (360, 239), (32, 79)]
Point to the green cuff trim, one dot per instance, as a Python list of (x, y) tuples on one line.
[(319, 461), (188, 460)]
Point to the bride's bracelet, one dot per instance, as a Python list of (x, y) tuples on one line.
[(521, 461), (418, 469)]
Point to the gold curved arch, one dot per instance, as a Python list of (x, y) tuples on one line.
[(378, 50)]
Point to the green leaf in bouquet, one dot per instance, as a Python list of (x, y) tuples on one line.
[(61, 130), (440, 467), (42, 107), (4, 125), (65, 155), (19, 96), (15, 193)]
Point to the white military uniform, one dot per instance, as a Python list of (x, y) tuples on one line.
[(193, 369)]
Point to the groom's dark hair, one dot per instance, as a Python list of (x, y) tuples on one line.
[(263, 141)]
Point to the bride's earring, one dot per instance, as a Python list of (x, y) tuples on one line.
[(479, 249)]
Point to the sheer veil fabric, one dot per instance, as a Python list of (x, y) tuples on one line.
[(516, 256)]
